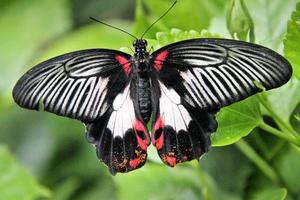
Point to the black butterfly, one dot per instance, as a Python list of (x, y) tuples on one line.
[(180, 87)]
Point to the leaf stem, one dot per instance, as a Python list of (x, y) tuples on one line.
[(278, 120), (279, 133), (246, 149)]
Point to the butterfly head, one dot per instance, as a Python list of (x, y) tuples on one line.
[(140, 45)]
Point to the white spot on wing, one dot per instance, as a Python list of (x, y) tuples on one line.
[(124, 113), (184, 113), (111, 121), (120, 98), (120, 114), (174, 114), (179, 121), (170, 93)]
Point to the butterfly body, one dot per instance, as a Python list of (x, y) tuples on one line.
[(141, 74), (178, 89)]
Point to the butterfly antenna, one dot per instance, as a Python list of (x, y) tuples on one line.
[(111, 26), (165, 13)]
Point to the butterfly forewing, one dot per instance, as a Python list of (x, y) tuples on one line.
[(80, 85), (212, 73)]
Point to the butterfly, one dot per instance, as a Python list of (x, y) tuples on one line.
[(178, 89), (180, 86)]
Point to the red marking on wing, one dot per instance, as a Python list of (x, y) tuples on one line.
[(141, 134), (159, 124), (171, 161), (125, 63), (160, 58), (134, 163)]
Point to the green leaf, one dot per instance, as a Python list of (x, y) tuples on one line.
[(292, 41), (285, 99), (239, 21), (26, 27), (175, 35), (270, 194), (270, 18), (16, 182), (237, 121)]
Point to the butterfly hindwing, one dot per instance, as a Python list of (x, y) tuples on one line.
[(80, 85), (194, 79), (179, 131), (120, 137)]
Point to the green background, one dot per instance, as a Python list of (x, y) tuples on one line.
[(256, 150)]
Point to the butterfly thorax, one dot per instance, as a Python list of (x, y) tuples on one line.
[(141, 70), (141, 57), (140, 46)]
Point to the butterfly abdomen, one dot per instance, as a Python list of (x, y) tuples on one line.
[(144, 97)]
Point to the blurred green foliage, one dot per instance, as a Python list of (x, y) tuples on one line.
[(39, 150), (15, 181)]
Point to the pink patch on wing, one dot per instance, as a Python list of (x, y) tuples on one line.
[(171, 161), (159, 124), (160, 58), (125, 63), (134, 163), (139, 127)]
